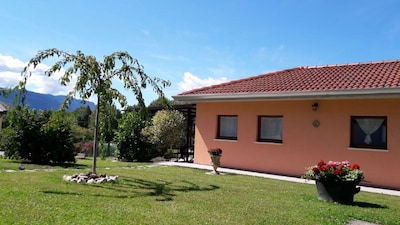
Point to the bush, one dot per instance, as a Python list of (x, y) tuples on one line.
[(84, 147), (41, 137), (58, 139), (132, 146), (167, 130)]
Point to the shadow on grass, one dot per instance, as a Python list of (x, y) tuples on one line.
[(369, 205), (64, 165), (134, 188), (63, 193)]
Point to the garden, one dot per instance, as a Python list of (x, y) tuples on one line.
[(148, 193)]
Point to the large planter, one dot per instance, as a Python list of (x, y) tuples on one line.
[(341, 192), (215, 162)]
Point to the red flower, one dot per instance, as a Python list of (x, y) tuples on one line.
[(355, 166), (323, 168), (337, 172)]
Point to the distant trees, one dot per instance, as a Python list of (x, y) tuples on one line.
[(163, 102), (83, 116)]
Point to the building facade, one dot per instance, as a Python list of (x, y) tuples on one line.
[(285, 121)]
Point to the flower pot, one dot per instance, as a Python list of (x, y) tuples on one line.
[(341, 191), (215, 162)]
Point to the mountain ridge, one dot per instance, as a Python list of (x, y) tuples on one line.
[(40, 101)]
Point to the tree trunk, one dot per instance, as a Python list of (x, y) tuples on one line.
[(96, 134)]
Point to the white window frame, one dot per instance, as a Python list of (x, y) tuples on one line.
[(227, 127), (270, 129)]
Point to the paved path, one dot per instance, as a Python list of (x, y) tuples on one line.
[(271, 176)]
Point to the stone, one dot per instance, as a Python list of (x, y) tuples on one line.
[(90, 178), (67, 178), (90, 181)]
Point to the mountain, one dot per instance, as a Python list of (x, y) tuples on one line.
[(45, 101)]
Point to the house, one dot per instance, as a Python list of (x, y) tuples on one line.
[(285, 121)]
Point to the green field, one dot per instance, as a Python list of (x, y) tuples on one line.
[(154, 194)]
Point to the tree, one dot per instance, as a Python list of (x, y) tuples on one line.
[(81, 134), (167, 129), (41, 137), (22, 138), (163, 102), (58, 140), (95, 78), (83, 116), (108, 124), (130, 142)]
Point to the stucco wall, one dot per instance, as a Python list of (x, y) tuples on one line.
[(303, 144)]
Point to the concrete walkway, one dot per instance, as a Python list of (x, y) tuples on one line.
[(271, 176)]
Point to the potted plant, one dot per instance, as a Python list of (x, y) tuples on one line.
[(336, 181), (215, 154)]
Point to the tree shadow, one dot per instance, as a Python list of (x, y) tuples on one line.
[(64, 165), (369, 205), (134, 188), (63, 193)]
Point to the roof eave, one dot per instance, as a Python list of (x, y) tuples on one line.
[(303, 95)]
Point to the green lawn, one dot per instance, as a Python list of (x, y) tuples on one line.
[(148, 194)]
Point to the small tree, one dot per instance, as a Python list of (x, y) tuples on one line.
[(167, 129), (95, 78), (58, 140), (130, 142), (108, 124)]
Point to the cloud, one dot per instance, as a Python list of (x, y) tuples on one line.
[(10, 75), (191, 81), (10, 70)]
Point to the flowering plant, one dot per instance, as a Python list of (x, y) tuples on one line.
[(334, 171), (215, 151)]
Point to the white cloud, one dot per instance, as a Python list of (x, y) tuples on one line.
[(10, 75), (10, 70), (191, 81)]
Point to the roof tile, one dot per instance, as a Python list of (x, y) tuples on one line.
[(371, 75)]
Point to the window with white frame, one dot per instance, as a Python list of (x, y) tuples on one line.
[(369, 132), (270, 129), (227, 127)]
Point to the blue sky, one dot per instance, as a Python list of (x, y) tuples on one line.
[(198, 42)]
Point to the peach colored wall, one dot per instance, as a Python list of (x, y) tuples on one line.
[(303, 145)]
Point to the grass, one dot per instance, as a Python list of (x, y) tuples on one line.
[(148, 194)]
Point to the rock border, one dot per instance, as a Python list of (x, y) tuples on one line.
[(90, 178)]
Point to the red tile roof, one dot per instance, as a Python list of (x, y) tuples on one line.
[(345, 77), (322, 78)]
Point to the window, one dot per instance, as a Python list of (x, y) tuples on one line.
[(368, 132), (270, 129), (227, 127)]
